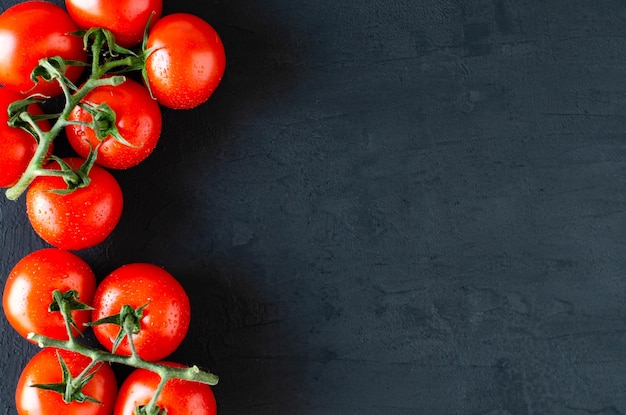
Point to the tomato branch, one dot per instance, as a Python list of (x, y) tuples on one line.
[(191, 373), (46, 138), (53, 69), (65, 303), (71, 388)]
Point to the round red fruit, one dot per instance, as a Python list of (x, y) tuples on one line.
[(186, 62), (165, 315), (28, 292), (177, 397), (137, 120), (45, 369), (33, 30), (78, 220), (126, 19)]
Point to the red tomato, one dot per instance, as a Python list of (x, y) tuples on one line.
[(44, 368), (165, 319), (179, 397), (17, 146), (33, 30), (29, 287), (79, 220), (138, 120), (126, 19), (187, 63)]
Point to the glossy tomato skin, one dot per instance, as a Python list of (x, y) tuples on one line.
[(187, 63), (126, 19), (79, 220), (165, 319), (17, 147), (29, 287), (179, 397), (138, 120), (30, 31), (44, 368)]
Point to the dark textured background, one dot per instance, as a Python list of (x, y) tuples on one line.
[(391, 207)]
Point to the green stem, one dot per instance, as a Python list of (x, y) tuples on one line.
[(64, 308), (86, 371), (131, 62), (25, 116), (127, 326), (45, 138), (152, 407), (35, 167), (192, 374), (97, 356), (96, 48)]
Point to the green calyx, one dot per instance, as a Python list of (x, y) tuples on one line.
[(129, 320), (66, 302), (104, 122), (144, 410), (70, 388)]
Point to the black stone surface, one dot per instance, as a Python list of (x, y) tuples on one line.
[(390, 207)]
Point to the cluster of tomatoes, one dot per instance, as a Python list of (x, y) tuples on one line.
[(87, 53), (116, 123), (154, 301)]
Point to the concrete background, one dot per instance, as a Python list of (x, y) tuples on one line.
[(390, 207)]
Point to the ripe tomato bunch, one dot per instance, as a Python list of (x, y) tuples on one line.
[(115, 63), (112, 65), (139, 314)]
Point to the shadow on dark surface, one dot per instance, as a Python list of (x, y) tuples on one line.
[(173, 190), (237, 334), (170, 219)]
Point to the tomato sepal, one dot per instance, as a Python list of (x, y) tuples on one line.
[(69, 298), (104, 122), (101, 36), (51, 69), (128, 319), (107, 56), (65, 303), (70, 387), (166, 372), (145, 52), (73, 178)]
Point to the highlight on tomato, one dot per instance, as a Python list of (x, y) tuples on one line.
[(126, 19), (28, 292), (45, 369), (177, 397), (186, 61), (160, 310), (77, 220), (124, 140), (30, 31)]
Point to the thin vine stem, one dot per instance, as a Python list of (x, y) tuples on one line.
[(151, 408), (192, 373)]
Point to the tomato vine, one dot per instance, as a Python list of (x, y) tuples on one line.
[(101, 43), (128, 322), (105, 65)]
